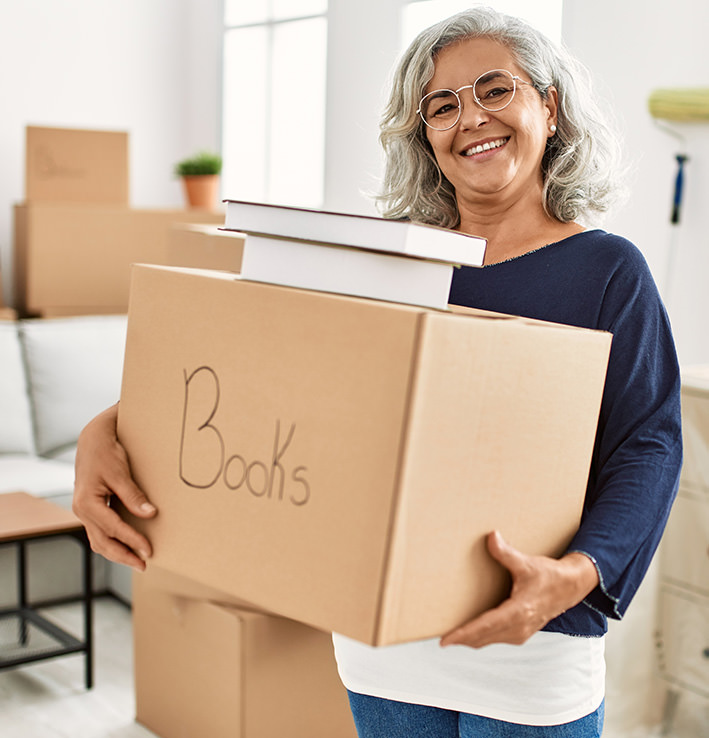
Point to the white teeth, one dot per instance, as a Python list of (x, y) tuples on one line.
[(485, 147)]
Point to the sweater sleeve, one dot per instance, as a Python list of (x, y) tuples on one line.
[(638, 450)]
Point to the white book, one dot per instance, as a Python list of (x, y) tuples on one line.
[(348, 271), (361, 231)]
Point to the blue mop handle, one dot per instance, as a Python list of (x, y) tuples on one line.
[(679, 181)]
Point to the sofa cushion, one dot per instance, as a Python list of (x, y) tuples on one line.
[(67, 454), (74, 370), (16, 425), (33, 474)]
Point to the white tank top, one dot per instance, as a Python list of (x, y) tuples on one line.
[(551, 679)]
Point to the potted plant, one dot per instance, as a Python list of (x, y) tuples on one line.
[(200, 177)]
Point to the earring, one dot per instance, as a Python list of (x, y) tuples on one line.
[(552, 128)]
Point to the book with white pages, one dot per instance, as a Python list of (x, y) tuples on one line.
[(364, 256), (347, 271), (363, 231)]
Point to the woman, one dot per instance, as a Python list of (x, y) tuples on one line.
[(491, 130)]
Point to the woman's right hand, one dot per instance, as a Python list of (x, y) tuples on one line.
[(102, 470)]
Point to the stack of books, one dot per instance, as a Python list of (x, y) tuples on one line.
[(358, 255)]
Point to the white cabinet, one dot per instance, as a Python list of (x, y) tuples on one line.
[(683, 627)]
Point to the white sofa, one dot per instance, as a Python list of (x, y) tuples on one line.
[(55, 375)]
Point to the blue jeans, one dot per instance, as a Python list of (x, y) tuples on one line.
[(380, 718)]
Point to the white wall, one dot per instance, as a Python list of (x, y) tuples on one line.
[(357, 86), (632, 48), (149, 68)]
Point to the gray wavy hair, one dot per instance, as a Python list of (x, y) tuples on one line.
[(581, 164)]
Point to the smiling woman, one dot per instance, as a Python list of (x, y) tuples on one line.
[(521, 173), (492, 130), (580, 162)]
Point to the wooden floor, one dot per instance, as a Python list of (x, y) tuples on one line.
[(48, 700)]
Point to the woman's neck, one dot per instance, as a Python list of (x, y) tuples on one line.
[(512, 231)]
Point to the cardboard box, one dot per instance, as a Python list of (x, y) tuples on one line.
[(181, 586), (75, 259), (70, 165), (338, 460), (203, 669), (204, 247)]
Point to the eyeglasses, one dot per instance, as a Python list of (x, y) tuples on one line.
[(493, 91)]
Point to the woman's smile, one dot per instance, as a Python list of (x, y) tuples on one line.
[(484, 146)]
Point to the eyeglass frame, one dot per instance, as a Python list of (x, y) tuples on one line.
[(515, 79)]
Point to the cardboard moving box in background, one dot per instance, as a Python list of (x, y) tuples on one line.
[(338, 460), (73, 259), (73, 165), (203, 669), (75, 237), (204, 247)]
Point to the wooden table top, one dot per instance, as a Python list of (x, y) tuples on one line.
[(25, 516)]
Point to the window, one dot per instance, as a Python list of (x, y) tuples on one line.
[(273, 114)]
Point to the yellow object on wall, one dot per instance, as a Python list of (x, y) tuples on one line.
[(682, 104)]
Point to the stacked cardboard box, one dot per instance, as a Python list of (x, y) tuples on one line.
[(75, 234), (204, 668), (339, 460)]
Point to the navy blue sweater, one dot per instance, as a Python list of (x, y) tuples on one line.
[(601, 281)]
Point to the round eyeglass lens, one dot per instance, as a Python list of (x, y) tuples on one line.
[(440, 109), (494, 90)]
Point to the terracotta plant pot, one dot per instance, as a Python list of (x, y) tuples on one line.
[(201, 191)]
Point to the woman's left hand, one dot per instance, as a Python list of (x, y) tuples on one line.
[(542, 588)]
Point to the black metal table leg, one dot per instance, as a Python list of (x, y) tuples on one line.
[(22, 592), (88, 610)]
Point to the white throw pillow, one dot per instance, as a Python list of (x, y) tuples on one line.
[(74, 367), (15, 412)]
